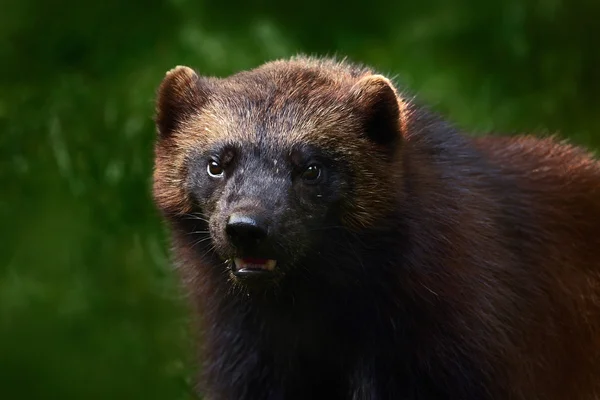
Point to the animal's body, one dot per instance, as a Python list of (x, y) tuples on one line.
[(339, 241)]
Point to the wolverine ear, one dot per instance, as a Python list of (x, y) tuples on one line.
[(181, 94), (378, 103)]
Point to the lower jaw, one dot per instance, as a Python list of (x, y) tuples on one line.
[(251, 273)]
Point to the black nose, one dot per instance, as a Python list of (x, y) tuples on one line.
[(246, 230)]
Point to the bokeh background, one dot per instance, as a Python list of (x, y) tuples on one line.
[(89, 308)]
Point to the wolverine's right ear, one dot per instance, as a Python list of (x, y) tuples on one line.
[(377, 99), (181, 94)]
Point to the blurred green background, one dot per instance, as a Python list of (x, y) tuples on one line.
[(89, 308)]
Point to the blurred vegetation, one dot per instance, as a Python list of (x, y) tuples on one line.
[(89, 307)]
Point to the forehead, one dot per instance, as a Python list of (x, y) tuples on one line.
[(279, 109)]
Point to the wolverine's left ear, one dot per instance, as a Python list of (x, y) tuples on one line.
[(181, 94), (377, 101)]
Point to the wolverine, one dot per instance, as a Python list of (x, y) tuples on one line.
[(338, 240)]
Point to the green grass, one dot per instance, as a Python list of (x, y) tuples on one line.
[(89, 305)]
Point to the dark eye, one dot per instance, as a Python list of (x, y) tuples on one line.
[(214, 169), (312, 174)]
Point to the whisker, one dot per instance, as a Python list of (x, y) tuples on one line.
[(200, 241), (196, 217), (208, 250)]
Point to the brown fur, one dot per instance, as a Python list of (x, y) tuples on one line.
[(504, 233)]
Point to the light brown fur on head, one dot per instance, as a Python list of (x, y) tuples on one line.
[(320, 102)]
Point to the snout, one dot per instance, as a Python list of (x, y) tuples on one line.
[(249, 234), (246, 231)]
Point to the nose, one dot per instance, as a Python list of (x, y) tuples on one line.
[(246, 230)]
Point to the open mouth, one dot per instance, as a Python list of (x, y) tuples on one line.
[(252, 266)]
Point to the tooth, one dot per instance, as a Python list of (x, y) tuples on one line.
[(270, 265), (239, 263)]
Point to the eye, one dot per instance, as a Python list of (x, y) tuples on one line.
[(214, 169), (312, 174)]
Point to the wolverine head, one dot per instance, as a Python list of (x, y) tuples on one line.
[(261, 167)]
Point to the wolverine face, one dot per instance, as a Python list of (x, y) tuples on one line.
[(268, 164), (265, 204)]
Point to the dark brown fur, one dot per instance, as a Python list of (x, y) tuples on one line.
[(470, 267)]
